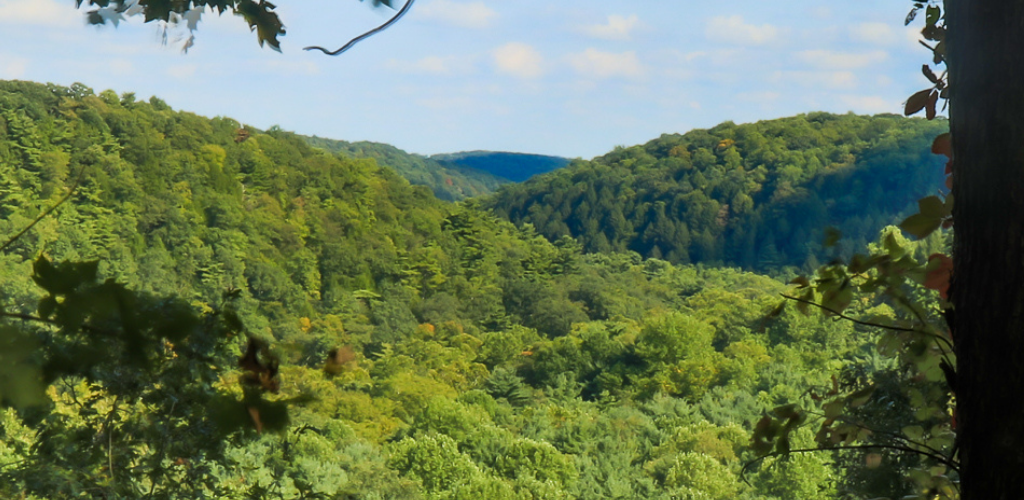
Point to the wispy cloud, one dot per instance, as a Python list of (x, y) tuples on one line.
[(519, 59), (828, 59), (734, 30), (617, 28), (462, 14), (597, 64)]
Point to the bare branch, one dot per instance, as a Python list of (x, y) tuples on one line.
[(368, 34)]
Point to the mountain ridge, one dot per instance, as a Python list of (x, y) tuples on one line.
[(755, 195)]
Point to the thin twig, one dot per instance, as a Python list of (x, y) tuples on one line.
[(940, 458), (46, 212), (27, 317), (868, 323), (891, 435), (16, 462), (378, 29)]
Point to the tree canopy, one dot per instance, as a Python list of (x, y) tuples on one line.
[(755, 195), (330, 330)]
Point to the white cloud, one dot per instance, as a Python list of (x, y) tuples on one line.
[(875, 33), (870, 104), (433, 65), (462, 14), (734, 30), (39, 13), (617, 28), (827, 59), (519, 59), (598, 64)]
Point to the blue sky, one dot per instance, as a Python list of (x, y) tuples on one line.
[(570, 78)]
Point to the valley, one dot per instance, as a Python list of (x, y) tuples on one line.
[(299, 317)]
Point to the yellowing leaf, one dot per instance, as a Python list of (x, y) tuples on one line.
[(873, 460)]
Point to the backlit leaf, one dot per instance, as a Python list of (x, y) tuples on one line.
[(932, 206), (920, 225), (917, 102), (943, 145)]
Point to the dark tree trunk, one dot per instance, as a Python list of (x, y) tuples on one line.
[(986, 61)]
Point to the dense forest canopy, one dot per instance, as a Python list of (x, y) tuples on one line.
[(448, 181), (516, 167), (427, 349), (755, 195)]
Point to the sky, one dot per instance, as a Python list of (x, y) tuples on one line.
[(569, 78)]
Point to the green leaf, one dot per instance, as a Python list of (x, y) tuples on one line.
[(21, 381), (892, 246), (834, 408), (786, 411), (888, 344), (783, 445), (46, 306), (914, 432), (263, 21), (838, 299), (860, 397), (932, 206), (920, 225)]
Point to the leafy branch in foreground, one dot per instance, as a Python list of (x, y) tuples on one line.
[(109, 350), (260, 15), (904, 407)]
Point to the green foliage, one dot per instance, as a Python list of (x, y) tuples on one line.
[(448, 180), (893, 402), (417, 348), (260, 16), (515, 167), (755, 195)]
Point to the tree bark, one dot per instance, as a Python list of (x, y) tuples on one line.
[(985, 44)]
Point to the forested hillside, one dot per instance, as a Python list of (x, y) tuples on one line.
[(755, 195), (516, 167), (448, 181), (426, 349)]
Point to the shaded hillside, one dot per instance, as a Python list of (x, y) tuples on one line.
[(422, 349), (451, 182), (755, 195), (516, 167)]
